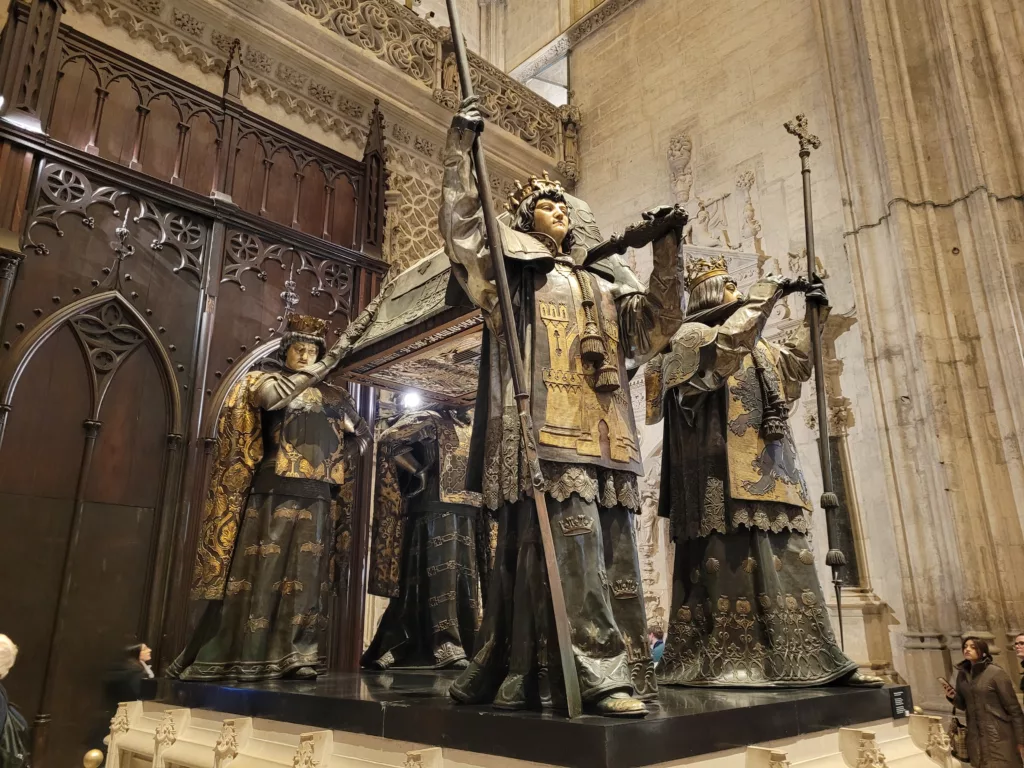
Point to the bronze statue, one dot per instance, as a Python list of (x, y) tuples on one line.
[(431, 543), (747, 605), (581, 314), (269, 522)]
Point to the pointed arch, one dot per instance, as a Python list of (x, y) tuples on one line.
[(254, 357), (102, 362)]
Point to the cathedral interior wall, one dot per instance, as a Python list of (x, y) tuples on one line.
[(680, 106)]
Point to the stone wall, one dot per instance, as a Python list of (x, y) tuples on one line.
[(685, 102), (919, 220), (531, 24)]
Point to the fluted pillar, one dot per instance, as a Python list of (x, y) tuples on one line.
[(927, 100)]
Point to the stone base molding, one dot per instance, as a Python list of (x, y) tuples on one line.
[(149, 735)]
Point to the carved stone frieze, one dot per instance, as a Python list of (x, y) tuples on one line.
[(517, 109), (188, 23), (277, 83), (413, 231), (161, 36), (386, 29)]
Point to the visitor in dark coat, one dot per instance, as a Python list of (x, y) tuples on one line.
[(1018, 648), (995, 721)]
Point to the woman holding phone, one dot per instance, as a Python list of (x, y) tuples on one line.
[(995, 721)]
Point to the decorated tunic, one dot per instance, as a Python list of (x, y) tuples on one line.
[(719, 471), (585, 432)]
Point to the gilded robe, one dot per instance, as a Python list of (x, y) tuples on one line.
[(747, 605), (431, 544), (275, 521), (586, 440)]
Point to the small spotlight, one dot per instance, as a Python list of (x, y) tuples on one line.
[(411, 400)]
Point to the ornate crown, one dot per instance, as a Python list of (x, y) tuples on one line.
[(307, 325), (699, 270), (535, 184)]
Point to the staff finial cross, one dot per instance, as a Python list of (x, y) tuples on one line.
[(798, 127)]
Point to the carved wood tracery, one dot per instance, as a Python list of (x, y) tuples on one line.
[(125, 254), (129, 113)]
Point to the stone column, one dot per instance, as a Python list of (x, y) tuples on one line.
[(926, 99), (492, 31)]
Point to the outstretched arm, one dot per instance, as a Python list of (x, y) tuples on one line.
[(649, 318), (701, 358), (461, 218), (275, 392)]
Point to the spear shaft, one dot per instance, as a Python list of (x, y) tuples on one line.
[(522, 396), (835, 558)]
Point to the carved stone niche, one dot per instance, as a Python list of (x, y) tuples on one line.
[(29, 54)]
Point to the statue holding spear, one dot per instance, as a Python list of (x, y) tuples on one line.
[(555, 450)]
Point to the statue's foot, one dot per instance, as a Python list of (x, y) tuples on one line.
[(860, 680), (512, 694), (619, 705), (304, 673)]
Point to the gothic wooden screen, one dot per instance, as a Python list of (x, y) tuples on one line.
[(145, 243)]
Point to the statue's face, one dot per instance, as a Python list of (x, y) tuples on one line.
[(301, 354), (552, 219), (730, 293)]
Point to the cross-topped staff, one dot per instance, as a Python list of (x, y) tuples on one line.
[(835, 558), (522, 396)]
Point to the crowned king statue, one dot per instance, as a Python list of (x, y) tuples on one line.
[(284, 440), (747, 606), (580, 318)]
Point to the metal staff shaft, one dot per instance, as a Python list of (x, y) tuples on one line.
[(522, 396), (835, 558)]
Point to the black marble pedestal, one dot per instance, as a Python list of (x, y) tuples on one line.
[(414, 706)]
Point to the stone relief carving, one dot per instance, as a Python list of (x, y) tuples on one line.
[(226, 748), (388, 30), (119, 722), (161, 37), (291, 77), (166, 733), (412, 227), (305, 755), (308, 111), (750, 227), (569, 164), (517, 109), (707, 225), (868, 753), (188, 24), (680, 156)]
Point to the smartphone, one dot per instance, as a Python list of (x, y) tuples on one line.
[(944, 681)]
